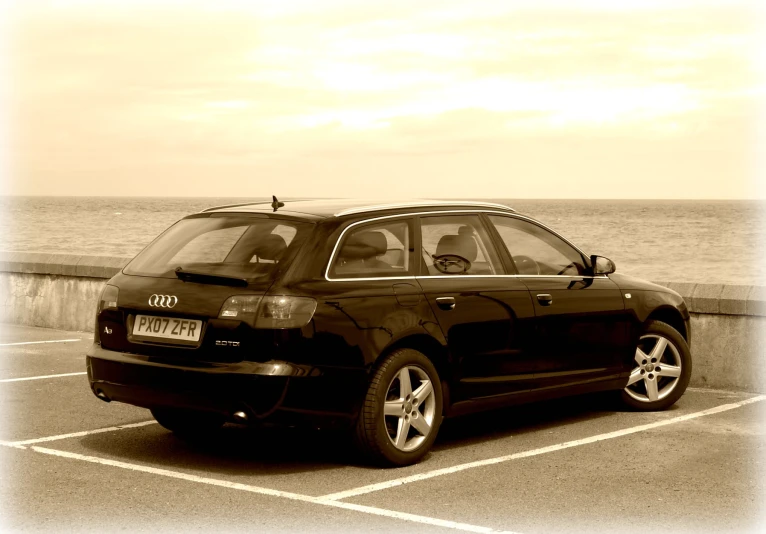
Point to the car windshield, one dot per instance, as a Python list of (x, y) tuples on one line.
[(230, 246)]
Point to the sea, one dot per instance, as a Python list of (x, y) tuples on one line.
[(711, 241)]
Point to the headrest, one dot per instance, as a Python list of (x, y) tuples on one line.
[(271, 247), (465, 230), (462, 245), (364, 245)]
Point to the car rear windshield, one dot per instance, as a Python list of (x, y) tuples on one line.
[(231, 246)]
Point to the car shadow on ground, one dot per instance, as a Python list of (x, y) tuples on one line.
[(239, 450), (524, 419), (232, 450)]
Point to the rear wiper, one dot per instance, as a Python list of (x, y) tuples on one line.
[(206, 278)]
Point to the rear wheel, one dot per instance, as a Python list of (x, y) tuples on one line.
[(402, 410), (187, 422), (662, 367)]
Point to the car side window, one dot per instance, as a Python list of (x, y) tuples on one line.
[(457, 245), (374, 250), (535, 250)]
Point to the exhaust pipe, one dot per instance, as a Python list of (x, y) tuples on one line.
[(101, 395), (240, 417)]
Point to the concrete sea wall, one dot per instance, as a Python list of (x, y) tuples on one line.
[(728, 321), (53, 290)]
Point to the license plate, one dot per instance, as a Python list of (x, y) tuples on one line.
[(167, 328)]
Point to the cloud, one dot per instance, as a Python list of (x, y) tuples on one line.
[(251, 83)]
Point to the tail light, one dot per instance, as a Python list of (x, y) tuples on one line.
[(285, 312), (108, 299), (241, 308), (280, 311)]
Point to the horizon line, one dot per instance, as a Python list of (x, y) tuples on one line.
[(290, 198)]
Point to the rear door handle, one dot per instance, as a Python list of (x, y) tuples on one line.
[(544, 299), (446, 303)]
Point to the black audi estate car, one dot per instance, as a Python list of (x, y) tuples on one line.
[(380, 319)]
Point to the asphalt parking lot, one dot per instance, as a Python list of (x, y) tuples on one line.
[(71, 462)]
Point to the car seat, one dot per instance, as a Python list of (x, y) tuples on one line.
[(359, 252)]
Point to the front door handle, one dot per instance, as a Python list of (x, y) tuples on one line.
[(544, 299), (446, 303)]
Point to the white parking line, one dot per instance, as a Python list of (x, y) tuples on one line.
[(40, 377), (271, 492), (721, 392), (11, 444), (534, 452), (39, 342), (172, 474), (76, 434), (333, 500)]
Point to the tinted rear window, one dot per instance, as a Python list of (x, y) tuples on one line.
[(242, 247)]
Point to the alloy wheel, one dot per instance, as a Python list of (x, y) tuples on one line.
[(656, 371), (410, 408)]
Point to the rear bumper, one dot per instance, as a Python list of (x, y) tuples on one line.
[(275, 391)]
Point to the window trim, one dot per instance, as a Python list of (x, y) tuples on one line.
[(491, 229)]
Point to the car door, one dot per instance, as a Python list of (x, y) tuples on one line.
[(581, 326), (372, 298), (484, 315)]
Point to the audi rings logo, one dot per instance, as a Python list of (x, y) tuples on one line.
[(163, 301)]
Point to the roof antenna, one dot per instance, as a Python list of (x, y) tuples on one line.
[(276, 204)]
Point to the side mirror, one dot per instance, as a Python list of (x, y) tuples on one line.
[(602, 265)]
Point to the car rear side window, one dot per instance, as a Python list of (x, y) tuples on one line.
[(535, 250), (243, 247), (375, 250), (457, 245)]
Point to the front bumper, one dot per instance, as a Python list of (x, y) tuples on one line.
[(274, 391)]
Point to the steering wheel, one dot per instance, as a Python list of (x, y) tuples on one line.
[(451, 264), (526, 265), (562, 271)]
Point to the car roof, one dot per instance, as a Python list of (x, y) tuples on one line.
[(339, 207)]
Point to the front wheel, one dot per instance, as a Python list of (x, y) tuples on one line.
[(402, 410), (662, 367)]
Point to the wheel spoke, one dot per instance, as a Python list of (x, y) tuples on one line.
[(640, 356), (394, 408), (423, 391), (405, 387), (635, 376), (652, 370), (405, 404), (651, 389), (402, 430), (659, 348), (669, 370), (420, 424)]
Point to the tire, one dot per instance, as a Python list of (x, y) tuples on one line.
[(187, 422), (405, 434), (660, 374)]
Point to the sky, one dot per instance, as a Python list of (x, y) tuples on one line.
[(357, 98)]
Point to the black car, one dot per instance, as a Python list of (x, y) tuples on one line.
[(380, 319)]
